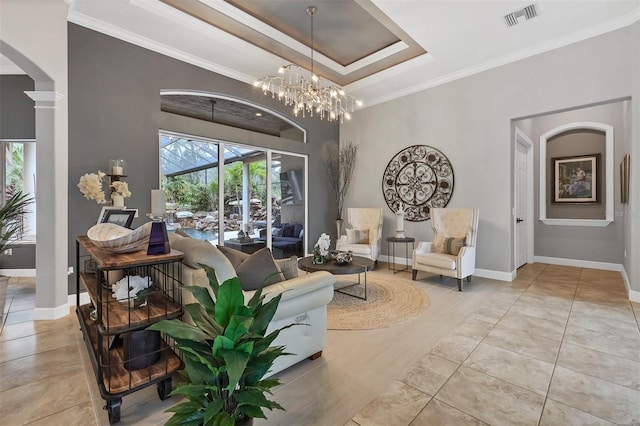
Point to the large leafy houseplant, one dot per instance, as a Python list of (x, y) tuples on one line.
[(226, 353), (11, 215)]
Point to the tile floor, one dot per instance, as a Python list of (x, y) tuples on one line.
[(558, 346)]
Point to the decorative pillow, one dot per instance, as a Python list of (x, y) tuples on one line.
[(287, 230), (258, 270), (449, 245), (357, 236), (297, 229), (289, 267), (276, 232), (236, 257), (198, 252)]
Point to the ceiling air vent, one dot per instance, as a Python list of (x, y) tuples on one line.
[(526, 13)]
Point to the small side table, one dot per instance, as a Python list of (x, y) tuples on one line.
[(391, 249)]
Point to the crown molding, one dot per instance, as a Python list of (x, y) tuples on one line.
[(606, 27), (147, 43)]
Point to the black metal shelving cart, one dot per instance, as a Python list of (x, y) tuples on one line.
[(126, 357)]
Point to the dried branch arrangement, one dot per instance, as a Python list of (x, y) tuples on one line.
[(340, 161)]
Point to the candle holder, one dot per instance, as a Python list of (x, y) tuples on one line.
[(116, 167), (158, 239)]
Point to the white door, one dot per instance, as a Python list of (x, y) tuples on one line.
[(522, 194)]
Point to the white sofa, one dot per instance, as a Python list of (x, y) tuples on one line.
[(304, 300)]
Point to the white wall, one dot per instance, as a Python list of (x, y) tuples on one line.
[(469, 120), (33, 34)]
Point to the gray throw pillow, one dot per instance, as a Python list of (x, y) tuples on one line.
[(289, 267), (236, 257), (258, 270), (198, 252)]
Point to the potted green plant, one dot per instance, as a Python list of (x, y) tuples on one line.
[(226, 353), (11, 215)]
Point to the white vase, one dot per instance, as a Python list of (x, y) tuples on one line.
[(117, 200), (339, 223)]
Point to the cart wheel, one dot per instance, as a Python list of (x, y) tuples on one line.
[(164, 389), (113, 410)]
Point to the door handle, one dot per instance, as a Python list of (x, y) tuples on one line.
[(518, 220)]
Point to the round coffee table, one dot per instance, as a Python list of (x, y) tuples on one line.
[(358, 265)]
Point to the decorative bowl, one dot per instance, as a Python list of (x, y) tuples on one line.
[(343, 257), (118, 239)]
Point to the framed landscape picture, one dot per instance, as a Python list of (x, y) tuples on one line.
[(575, 179), (119, 217)]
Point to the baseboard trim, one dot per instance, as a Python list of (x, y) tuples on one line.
[(48, 314), (58, 312), (18, 272), (634, 295), (494, 275), (579, 263)]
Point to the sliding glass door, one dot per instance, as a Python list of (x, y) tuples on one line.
[(241, 196)]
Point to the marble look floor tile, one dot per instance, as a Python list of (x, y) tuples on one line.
[(430, 373), (30, 328), (556, 413), (16, 317), (592, 322), (473, 329), (604, 341), (615, 403), (437, 413), (31, 368), (551, 289), (491, 400), (81, 414), (549, 327), (511, 367), (20, 405), (522, 342), (604, 366), (489, 314), (604, 300), (620, 313), (534, 307), (25, 346), (455, 348), (399, 405), (351, 423)]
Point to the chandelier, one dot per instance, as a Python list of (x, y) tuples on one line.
[(307, 95)]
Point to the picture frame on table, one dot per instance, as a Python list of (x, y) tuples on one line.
[(575, 179), (119, 217), (105, 209)]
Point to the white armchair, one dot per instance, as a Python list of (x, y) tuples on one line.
[(363, 219), (452, 253)]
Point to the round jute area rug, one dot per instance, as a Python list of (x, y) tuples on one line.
[(389, 302)]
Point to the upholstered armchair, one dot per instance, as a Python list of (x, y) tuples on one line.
[(364, 238), (452, 253)]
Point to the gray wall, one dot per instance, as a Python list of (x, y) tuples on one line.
[(114, 111), (572, 144), (469, 120), (17, 115), (578, 242)]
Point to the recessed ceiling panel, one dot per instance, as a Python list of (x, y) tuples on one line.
[(357, 39), (343, 31)]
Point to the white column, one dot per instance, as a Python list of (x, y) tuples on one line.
[(51, 190)]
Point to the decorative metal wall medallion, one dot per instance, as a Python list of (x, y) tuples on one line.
[(420, 177)]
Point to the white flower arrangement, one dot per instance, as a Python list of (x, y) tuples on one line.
[(121, 188), (91, 187), (323, 244)]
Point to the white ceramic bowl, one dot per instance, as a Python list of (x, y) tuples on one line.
[(119, 239)]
